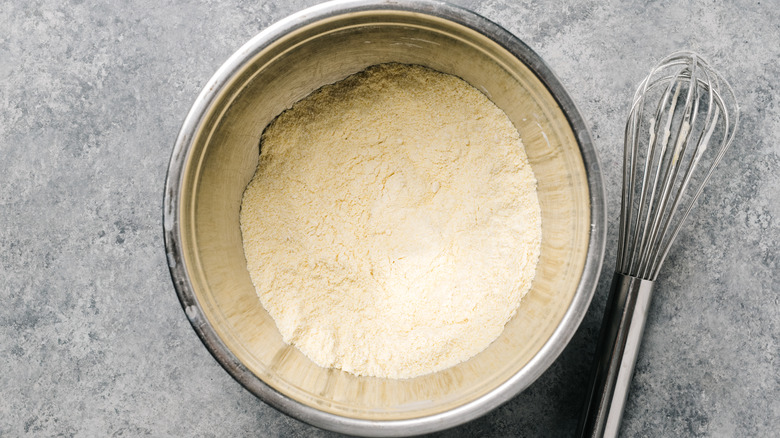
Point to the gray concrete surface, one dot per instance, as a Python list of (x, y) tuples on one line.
[(93, 341)]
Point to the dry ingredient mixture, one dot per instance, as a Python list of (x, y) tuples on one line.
[(392, 226)]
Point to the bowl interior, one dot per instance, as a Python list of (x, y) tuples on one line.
[(223, 157)]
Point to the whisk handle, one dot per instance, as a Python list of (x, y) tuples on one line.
[(616, 353)]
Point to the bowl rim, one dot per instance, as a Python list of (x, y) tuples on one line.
[(443, 420)]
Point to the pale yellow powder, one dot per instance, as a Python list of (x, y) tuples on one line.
[(392, 226)]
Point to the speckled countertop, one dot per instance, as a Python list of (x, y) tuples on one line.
[(93, 341)]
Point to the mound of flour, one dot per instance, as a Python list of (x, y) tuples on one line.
[(392, 226)]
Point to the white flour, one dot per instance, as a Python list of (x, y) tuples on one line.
[(392, 226)]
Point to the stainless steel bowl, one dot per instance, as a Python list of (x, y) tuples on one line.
[(216, 154)]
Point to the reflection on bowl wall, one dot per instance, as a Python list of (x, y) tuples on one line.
[(216, 155)]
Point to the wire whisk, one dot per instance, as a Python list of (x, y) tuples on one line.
[(683, 118), (691, 127)]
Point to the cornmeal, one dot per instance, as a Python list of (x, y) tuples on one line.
[(392, 226)]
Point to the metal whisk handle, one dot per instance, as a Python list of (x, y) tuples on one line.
[(618, 346)]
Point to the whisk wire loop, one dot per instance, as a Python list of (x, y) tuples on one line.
[(673, 167)]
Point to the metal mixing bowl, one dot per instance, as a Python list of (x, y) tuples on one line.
[(216, 154)]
